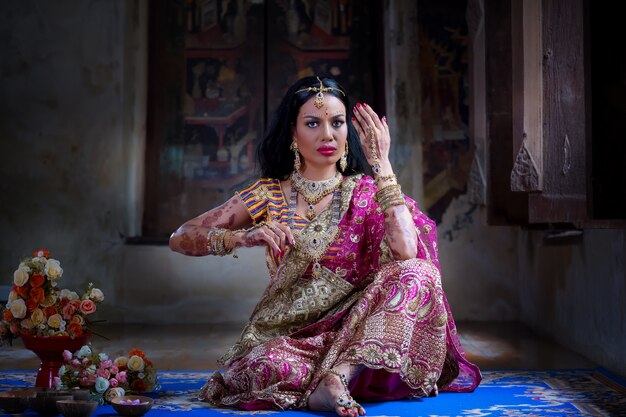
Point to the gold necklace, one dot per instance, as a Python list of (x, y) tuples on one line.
[(316, 237), (314, 191)]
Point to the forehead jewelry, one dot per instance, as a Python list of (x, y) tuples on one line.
[(319, 97)]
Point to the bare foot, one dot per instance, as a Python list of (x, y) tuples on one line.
[(331, 394)]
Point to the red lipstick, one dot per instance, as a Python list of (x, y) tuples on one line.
[(326, 150)]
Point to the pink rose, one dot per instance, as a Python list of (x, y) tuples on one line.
[(114, 370), (87, 306), (106, 364), (113, 382), (121, 377), (104, 373), (75, 363), (67, 355), (68, 311), (85, 360)]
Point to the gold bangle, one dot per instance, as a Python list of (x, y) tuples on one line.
[(216, 244), (387, 192), (392, 203)]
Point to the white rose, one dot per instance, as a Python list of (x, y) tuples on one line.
[(18, 309), (53, 269), (50, 300), (37, 316), (40, 259), (91, 369), (24, 267), (103, 356), (96, 295), (135, 363), (120, 361), (20, 277), (55, 321), (70, 295), (114, 393)]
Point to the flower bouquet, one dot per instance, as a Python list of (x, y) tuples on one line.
[(105, 378), (37, 307)]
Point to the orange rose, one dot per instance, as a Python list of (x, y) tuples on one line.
[(50, 311), (76, 329), (7, 315), (23, 290), (31, 304), (37, 280), (37, 294), (137, 352)]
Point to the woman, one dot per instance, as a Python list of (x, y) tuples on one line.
[(354, 306)]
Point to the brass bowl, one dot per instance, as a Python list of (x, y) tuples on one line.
[(132, 410), (77, 408)]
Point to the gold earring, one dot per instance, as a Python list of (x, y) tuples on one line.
[(294, 148), (343, 162)]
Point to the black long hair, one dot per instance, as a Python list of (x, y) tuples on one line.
[(274, 156)]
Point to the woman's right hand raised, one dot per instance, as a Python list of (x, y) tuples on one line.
[(272, 233)]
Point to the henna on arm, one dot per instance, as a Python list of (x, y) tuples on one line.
[(192, 237), (400, 232)]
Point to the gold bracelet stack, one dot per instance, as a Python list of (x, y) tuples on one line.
[(220, 241), (389, 196)]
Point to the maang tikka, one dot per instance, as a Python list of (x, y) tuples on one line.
[(296, 162), (319, 97)]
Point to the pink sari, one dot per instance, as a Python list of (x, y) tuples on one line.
[(391, 317)]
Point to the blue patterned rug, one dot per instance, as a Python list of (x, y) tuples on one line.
[(511, 393)]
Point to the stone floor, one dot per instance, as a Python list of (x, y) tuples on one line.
[(194, 347)]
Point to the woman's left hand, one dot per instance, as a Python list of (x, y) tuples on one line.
[(374, 135)]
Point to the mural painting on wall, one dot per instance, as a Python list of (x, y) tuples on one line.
[(240, 57), (222, 99), (447, 151)]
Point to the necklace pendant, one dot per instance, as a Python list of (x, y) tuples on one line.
[(317, 269), (310, 214)]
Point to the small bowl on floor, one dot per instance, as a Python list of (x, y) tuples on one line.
[(132, 405), (15, 401), (77, 408)]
